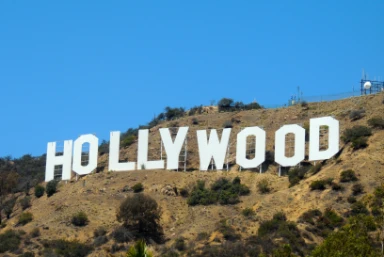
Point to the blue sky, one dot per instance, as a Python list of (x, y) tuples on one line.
[(75, 67)]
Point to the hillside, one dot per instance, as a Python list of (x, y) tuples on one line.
[(100, 194)]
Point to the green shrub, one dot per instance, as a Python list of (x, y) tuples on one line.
[(336, 187), (355, 132), (25, 202), (281, 230), (348, 176), (180, 244), (315, 169), (9, 241), (318, 185), (184, 192), (222, 191), (127, 141), (80, 219), (296, 174), (25, 218), (8, 207), (359, 143), (376, 122), (248, 212), (356, 115), (358, 208), (357, 189), (263, 186), (228, 231), (51, 187), (35, 232), (309, 215), (68, 248), (225, 104), (137, 188), (141, 215), (39, 191)]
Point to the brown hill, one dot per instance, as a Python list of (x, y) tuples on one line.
[(99, 195)]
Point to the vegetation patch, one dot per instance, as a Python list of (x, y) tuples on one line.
[(263, 186), (51, 187), (222, 191), (25, 218), (357, 135), (140, 214), (348, 176), (376, 122), (39, 191), (296, 174), (80, 219), (9, 241), (67, 248), (137, 188)]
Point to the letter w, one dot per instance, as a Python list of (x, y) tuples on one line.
[(214, 148)]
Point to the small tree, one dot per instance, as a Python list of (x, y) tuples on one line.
[(39, 191), (141, 215), (225, 104), (25, 202), (137, 188), (51, 187), (80, 219)]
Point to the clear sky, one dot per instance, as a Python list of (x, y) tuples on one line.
[(75, 67)]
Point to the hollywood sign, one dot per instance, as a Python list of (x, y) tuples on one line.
[(209, 148)]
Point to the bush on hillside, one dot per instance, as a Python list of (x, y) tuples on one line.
[(348, 176), (263, 186), (137, 188), (25, 218), (359, 143), (39, 191), (358, 131), (80, 219), (141, 215), (229, 233), (225, 104), (376, 122), (8, 207), (25, 202), (357, 189), (35, 232), (9, 241), (51, 187), (222, 191), (358, 208), (248, 212), (296, 174), (68, 248), (318, 185), (356, 114)]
